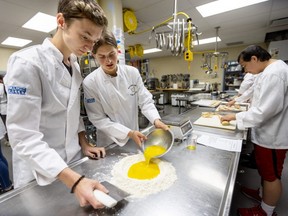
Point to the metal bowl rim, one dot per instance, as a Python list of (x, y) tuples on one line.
[(168, 149)]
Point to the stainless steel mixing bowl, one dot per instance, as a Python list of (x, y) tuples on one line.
[(160, 137)]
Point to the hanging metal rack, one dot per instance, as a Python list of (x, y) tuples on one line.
[(216, 57), (175, 34)]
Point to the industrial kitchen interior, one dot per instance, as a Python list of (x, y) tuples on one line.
[(188, 67)]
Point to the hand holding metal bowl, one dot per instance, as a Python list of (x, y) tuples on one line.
[(159, 137)]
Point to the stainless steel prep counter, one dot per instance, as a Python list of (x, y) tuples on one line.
[(204, 186)]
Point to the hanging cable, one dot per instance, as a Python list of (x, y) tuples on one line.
[(188, 55)]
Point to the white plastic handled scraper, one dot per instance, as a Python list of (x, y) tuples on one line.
[(104, 198)]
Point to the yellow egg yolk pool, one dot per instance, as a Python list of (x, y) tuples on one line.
[(146, 169), (153, 151)]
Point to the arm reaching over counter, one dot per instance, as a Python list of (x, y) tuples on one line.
[(246, 90), (90, 150)]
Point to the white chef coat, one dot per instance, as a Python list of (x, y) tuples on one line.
[(3, 100), (246, 96), (43, 113), (246, 88), (112, 103), (247, 82), (268, 113)]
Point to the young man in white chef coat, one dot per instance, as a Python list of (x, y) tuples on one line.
[(267, 118), (113, 94), (43, 115)]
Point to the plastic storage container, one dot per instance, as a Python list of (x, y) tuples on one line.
[(174, 102), (163, 99)]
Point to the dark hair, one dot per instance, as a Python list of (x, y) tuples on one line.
[(80, 9), (107, 38), (254, 50)]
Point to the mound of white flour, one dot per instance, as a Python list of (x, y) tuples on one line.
[(141, 188)]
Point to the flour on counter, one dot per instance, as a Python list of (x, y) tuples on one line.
[(142, 188)]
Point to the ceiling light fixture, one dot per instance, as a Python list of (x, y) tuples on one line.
[(17, 42), (41, 22), (221, 6), (206, 41), (153, 50)]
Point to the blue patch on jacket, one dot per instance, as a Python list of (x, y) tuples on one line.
[(16, 90), (90, 100)]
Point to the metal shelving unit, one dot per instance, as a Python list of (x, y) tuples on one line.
[(232, 77), (87, 65)]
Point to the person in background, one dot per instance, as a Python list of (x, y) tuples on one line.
[(269, 128), (5, 182), (3, 108), (245, 93), (43, 82), (112, 95)]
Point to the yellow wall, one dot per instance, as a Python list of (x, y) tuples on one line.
[(177, 65), (164, 65)]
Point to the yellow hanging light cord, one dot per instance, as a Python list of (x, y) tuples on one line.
[(188, 56)]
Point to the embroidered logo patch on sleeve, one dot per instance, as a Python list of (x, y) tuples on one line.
[(17, 90), (90, 100)]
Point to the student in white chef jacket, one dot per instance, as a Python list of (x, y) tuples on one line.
[(267, 118), (5, 182), (43, 114), (3, 107), (112, 95), (245, 93)]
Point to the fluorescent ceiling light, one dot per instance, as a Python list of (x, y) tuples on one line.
[(41, 22), (153, 50), (206, 41), (17, 42), (221, 6)]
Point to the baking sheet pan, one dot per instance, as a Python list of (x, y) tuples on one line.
[(222, 107), (207, 103)]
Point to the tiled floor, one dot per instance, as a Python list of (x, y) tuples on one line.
[(246, 176)]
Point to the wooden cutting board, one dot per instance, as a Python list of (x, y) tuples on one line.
[(214, 121)]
